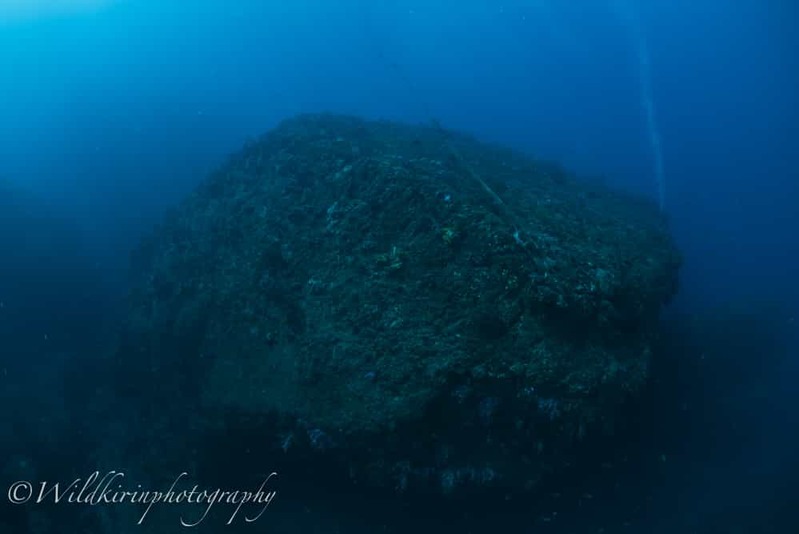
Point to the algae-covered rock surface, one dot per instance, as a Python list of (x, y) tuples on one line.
[(425, 309)]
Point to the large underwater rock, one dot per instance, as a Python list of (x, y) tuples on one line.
[(427, 310)]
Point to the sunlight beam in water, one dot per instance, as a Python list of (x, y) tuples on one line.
[(626, 12)]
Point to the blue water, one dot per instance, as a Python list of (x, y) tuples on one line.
[(111, 111)]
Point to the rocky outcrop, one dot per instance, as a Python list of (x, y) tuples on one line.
[(425, 310)]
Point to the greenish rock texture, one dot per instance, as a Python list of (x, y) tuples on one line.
[(430, 312)]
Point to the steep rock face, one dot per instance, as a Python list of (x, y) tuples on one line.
[(426, 309)]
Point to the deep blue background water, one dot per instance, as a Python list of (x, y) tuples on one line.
[(111, 111)]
